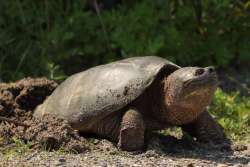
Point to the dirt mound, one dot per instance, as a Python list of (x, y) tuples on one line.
[(17, 102), (16, 99)]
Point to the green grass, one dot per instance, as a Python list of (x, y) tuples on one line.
[(233, 112), (17, 149)]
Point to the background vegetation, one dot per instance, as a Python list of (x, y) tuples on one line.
[(233, 113), (60, 37), (65, 36)]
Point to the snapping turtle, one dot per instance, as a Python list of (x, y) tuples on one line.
[(123, 100)]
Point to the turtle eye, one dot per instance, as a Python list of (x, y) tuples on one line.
[(211, 69), (199, 72)]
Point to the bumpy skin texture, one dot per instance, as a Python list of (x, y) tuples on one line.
[(123, 100), (205, 128), (131, 136)]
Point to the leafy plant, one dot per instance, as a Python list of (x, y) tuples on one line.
[(233, 113), (55, 72), (74, 36), (19, 148)]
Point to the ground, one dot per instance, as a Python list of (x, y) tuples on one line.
[(26, 141), (159, 153)]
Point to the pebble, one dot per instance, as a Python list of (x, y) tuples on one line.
[(240, 147), (222, 165), (190, 165), (237, 165), (62, 160)]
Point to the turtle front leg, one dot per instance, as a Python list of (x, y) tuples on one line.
[(132, 129), (206, 130)]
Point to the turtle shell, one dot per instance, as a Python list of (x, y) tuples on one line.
[(97, 92)]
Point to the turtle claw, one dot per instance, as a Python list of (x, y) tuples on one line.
[(129, 141)]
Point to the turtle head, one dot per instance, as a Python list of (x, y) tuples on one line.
[(187, 92)]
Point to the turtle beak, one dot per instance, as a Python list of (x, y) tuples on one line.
[(203, 79), (206, 75)]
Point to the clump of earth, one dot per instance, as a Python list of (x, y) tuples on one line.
[(17, 103)]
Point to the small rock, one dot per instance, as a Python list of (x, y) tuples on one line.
[(222, 165), (237, 165), (239, 147), (1, 108), (190, 165), (62, 160), (135, 165), (151, 153)]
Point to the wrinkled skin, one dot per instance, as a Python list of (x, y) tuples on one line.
[(178, 99), (188, 90)]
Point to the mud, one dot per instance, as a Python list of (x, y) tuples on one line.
[(17, 103)]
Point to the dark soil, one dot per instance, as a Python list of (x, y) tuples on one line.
[(17, 103), (19, 98)]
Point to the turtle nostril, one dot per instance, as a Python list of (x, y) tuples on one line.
[(199, 71), (211, 69)]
